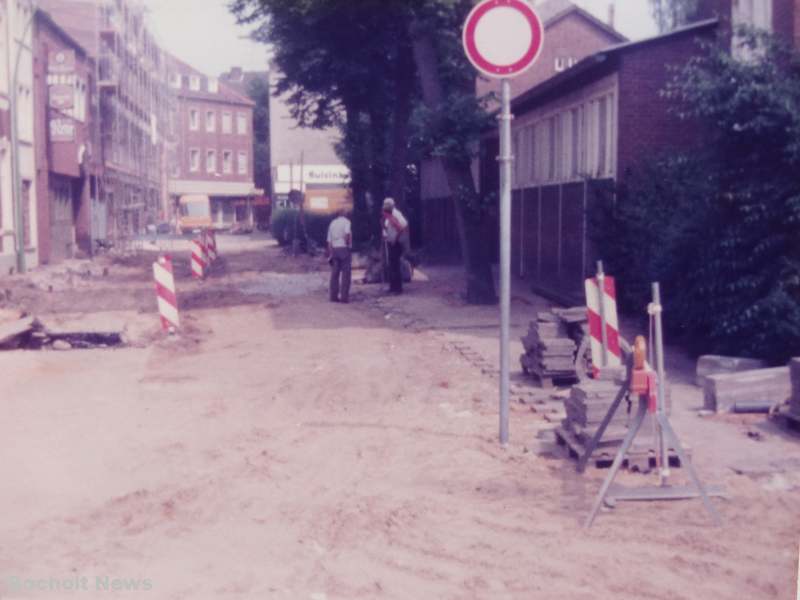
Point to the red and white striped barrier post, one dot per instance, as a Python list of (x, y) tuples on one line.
[(165, 293), (211, 245), (198, 259), (603, 321)]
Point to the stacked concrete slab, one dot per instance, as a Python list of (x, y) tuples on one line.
[(587, 405), (549, 352), (747, 390), (712, 364)]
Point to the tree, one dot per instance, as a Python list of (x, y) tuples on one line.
[(670, 14), (453, 119), (258, 91), (721, 225), (354, 65)]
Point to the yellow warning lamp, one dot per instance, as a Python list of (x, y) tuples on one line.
[(639, 376), (639, 352)]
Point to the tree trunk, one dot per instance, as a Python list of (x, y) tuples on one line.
[(480, 281), (359, 172), (404, 90), (378, 144)]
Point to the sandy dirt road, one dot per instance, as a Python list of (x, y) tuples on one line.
[(291, 448)]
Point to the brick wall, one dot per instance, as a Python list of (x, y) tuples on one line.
[(218, 141), (646, 125)]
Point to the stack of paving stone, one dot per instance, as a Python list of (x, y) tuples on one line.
[(576, 321), (587, 405), (549, 351), (794, 400)]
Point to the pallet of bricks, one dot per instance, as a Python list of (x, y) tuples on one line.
[(551, 345)]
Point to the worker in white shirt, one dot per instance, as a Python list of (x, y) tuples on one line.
[(340, 243), (395, 235)]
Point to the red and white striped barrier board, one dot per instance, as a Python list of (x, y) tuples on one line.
[(613, 355), (198, 259), (165, 293), (211, 245)]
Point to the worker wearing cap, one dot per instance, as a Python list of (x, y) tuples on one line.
[(395, 235), (340, 242)]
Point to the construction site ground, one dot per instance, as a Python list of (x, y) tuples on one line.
[(282, 446)]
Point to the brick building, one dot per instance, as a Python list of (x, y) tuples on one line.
[(214, 154), (64, 92), (255, 85), (571, 34), (584, 126), (133, 107), (16, 40)]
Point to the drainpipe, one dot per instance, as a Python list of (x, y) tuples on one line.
[(16, 177)]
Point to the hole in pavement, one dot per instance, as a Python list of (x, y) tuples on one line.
[(72, 341)]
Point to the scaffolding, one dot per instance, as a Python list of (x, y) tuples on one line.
[(133, 111)]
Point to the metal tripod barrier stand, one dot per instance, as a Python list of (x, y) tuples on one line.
[(662, 492)]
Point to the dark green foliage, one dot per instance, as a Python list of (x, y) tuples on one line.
[(258, 90), (317, 227), (721, 229), (283, 224), (287, 224)]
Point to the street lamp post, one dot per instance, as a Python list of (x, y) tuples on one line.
[(16, 177)]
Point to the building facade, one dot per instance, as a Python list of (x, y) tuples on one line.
[(571, 34), (214, 153), (255, 85), (781, 17), (65, 128), (133, 107), (578, 132), (305, 160), (17, 219)]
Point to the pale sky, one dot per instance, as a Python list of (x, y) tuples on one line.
[(209, 39)]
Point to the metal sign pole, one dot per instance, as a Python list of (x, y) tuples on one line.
[(662, 397), (505, 252)]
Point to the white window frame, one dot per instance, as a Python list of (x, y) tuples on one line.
[(194, 119), (211, 121), (194, 160), (241, 162), (227, 165), (211, 161), (194, 83), (227, 119), (241, 119)]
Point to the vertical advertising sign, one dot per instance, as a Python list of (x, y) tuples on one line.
[(61, 94)]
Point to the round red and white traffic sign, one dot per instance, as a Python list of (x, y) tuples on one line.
[(503, 38)]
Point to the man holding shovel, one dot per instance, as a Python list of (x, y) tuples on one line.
[(396, 238)]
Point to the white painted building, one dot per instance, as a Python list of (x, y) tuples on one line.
[(16, 36)]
